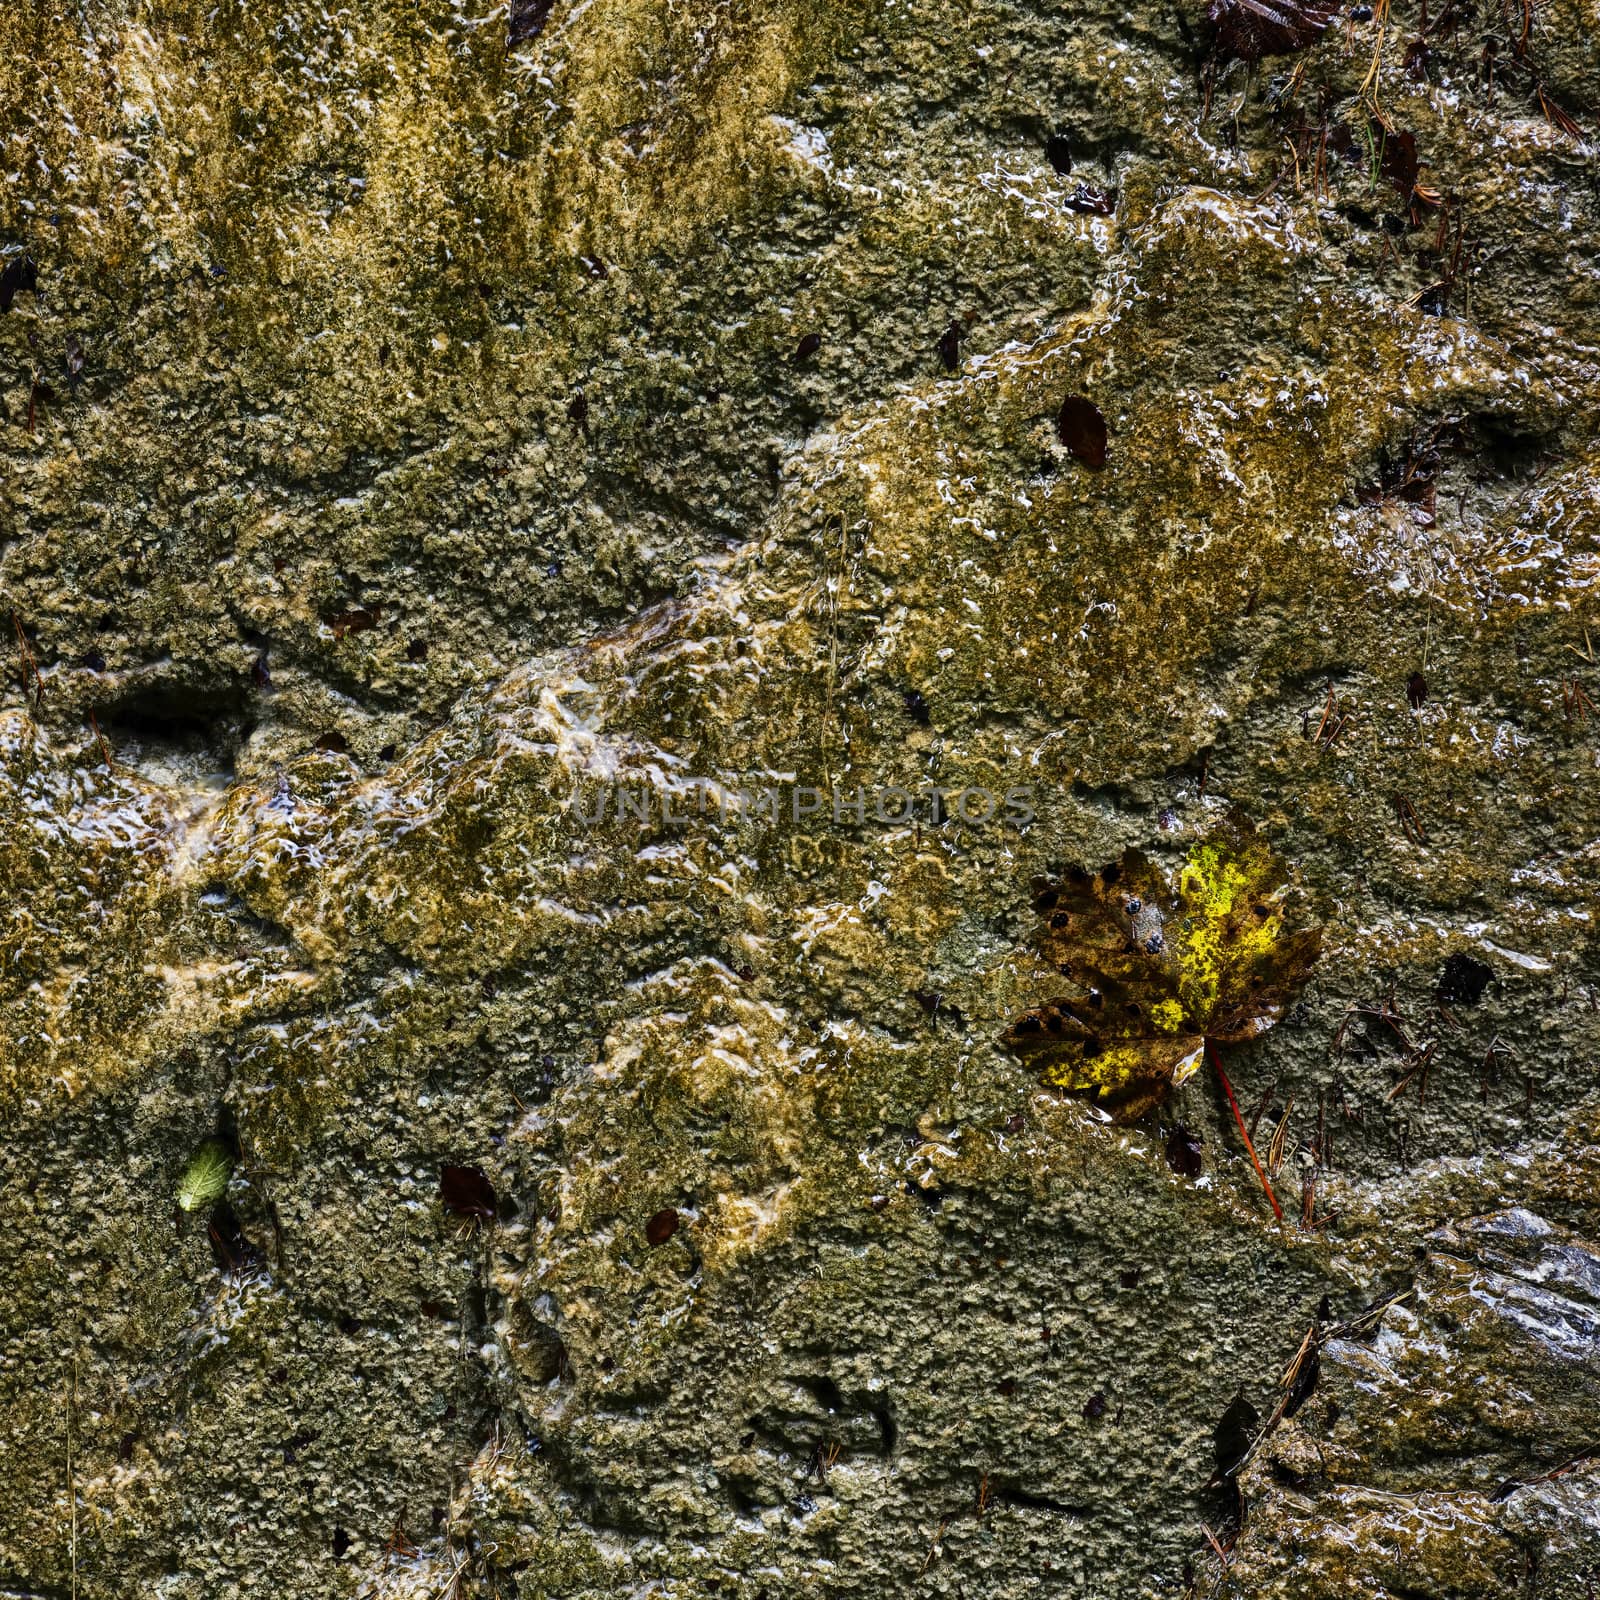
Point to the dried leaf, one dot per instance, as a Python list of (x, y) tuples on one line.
[(1251, 29), (1089, 201), (357, 619), (1082, 429), (1234, 1434), (467, 1192), (1399, 162), (1155, 969), (526, 19), (1463, 980), (1183, 1152)]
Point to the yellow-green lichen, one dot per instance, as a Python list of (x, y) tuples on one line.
[(1231, 928), (1167, 1015)]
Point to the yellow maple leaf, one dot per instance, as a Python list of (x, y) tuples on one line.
[(1156, 969)]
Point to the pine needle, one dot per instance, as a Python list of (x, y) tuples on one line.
[(1244, 1133)]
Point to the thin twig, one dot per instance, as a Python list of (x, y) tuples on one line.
[(454, 1578), (1244, 1133), (1211, 1539), (30, 663), (72, 1484), (1381, 17), (100, 739)]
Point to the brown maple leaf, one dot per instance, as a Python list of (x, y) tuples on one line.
[(1156, 970), (1251, 29)]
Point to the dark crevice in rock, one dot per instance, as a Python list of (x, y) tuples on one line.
[(166, 722)]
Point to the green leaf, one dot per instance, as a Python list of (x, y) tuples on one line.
[(205, 1176)]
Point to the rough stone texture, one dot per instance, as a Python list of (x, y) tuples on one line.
[(408, 435)]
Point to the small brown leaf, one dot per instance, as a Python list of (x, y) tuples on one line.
[(1089, 201), (1251, 29), (1463, 980), (356, 620), (467, 1192), (1399, 161), (1183, 1152), (1082, 429), (1235, 1433), (661, 1227)]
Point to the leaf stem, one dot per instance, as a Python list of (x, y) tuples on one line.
[(1244, 1133)]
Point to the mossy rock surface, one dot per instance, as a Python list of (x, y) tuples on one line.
[(412, 443)]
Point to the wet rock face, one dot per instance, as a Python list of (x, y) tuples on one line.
[(1449, 1450), (494, 501)]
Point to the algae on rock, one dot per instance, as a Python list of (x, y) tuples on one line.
[(404, 437)]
